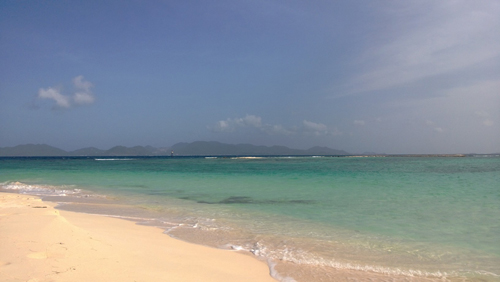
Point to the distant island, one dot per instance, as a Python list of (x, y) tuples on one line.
[(198, 148)]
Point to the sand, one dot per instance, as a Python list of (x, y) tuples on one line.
[(40, 243)]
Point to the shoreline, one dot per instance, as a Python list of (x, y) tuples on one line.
[(41, 243), (289, 256)]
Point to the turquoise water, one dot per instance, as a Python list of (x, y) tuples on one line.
[(409, 216)]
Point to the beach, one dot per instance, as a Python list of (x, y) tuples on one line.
[(296, 218), (41, 243)]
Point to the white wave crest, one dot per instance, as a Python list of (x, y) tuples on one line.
[(40, 190)]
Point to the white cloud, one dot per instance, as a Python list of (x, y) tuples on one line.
[(251, 120), (222, 125), (54, 94), (81, 84), (82, 96), (317, 129), (230, 124), (255, 122), (309, 125), (359, 122)]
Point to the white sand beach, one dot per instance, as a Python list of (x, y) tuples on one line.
[(41, 243)]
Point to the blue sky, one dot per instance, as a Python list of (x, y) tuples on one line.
[(383, 76)]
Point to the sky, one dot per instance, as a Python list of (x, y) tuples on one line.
[(362, 76)]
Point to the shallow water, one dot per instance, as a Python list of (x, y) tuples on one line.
[(407, 217)]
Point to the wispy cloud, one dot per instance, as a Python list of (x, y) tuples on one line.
[(255, 122), (437, 37), (231, 124), (83, 94), (315, 128)]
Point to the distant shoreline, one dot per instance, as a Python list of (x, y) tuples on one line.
[(253, 157), (201, 149), (198, 148)]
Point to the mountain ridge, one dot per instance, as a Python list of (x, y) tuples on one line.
[(197, 148)]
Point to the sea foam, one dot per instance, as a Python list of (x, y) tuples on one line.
[(40, 190)]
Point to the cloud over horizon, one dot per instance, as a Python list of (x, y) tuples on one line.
[(252, 122), (82, 96)]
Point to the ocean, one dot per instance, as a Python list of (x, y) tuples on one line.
[(310, 218)]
